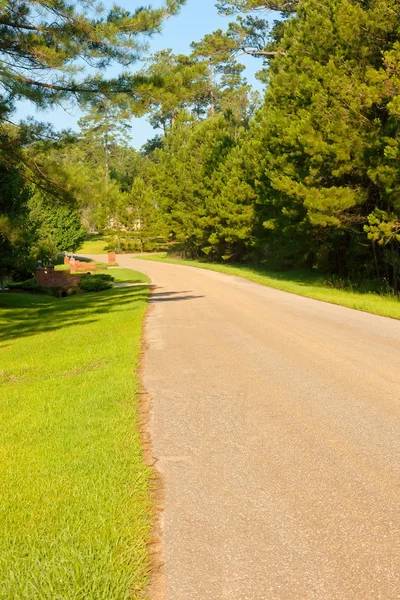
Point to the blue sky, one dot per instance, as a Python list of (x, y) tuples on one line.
[(197, 18)]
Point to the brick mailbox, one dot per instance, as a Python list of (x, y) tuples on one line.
[(83, 267), (49, 277), (112, 258)]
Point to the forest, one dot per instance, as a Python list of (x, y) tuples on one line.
[(304, 174)]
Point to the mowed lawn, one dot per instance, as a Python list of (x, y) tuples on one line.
[(74, 490), (95, 244)]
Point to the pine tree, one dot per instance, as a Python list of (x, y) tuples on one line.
[(172, 84), (104, 129), (327, 134), (44, 45), (58, 227), (226, 88)]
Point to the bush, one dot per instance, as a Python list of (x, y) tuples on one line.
[(73, 291), (96, 283), (29, 285), (55, 290)]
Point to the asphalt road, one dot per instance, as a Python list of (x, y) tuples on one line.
[(276, 425)]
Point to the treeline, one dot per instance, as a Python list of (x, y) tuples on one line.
[(314, 178), (52, 184), (305, 175)]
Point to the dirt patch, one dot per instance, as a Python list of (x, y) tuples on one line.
[(8, 378)]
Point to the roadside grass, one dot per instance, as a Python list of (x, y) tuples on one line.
[(122, 275), (300, 282), (95, 244), (74, 492)]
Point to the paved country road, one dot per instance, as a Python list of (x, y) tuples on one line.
[(276, 424)]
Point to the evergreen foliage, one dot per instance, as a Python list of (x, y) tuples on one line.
[(307, 176), (15, 234), (58, 227), (44, 45)]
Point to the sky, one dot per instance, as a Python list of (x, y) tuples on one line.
[(197, 18)]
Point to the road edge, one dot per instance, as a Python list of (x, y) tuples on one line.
[(156, 587)]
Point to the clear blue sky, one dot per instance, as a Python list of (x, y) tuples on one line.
[(197, 18)]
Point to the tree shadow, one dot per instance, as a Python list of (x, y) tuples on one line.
[(171, 296), (26, 314)]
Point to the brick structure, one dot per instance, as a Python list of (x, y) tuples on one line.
[(66, 260), (112, 258), (83, 267), (48, 277)]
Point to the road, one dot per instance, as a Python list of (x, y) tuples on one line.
[(276, 425)]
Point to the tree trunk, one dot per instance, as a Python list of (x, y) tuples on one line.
[(376, 261), (212, 92), (107, 163)]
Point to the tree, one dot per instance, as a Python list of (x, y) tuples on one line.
[(231, 7), (140, 215), (58, 227), (52, 51), (181, 175), (326, 138), (45, 47), (104, 129), (225, 84), (15, 235), (172, 84)]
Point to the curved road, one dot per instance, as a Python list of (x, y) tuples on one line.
[(276, 423)]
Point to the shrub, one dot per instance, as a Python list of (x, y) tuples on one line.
[(96, 283), (29, 285), (55, 290), (73, 291)]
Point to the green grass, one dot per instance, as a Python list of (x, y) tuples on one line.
[(95, 244), (300, 282), (74, 492), (120, 274), (127, 276)]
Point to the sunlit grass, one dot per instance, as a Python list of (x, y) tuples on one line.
[(120, 274), (127, 275), (74, 491), (301, 282), (95, 244)]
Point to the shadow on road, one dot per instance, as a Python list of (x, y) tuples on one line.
[(172, 296), (23, 315)]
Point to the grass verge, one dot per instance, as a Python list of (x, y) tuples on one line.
[(95, 244), (122, 275), (300, 282), (74, 494)]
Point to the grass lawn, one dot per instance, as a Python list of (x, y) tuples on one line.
[(120, 274), (95, 244), (74, 493), (127, 275), (300, 282)]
